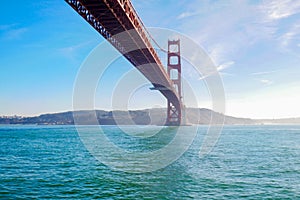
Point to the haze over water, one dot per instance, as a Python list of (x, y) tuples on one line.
[(249, 162)]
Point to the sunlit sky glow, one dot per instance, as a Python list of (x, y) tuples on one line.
[(255, 44)]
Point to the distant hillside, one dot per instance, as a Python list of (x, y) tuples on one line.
[(289, 121), (155, 116)]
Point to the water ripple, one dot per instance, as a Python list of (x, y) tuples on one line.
[(254, 162)]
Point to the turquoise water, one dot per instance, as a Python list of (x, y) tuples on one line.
[(248, 162)]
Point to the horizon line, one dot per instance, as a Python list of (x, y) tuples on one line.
[(141, 109)]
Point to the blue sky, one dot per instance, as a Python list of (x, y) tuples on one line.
[(255, 44)]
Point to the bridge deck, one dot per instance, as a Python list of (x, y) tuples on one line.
[(113, 17)]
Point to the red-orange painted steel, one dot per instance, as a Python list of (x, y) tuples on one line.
[(111, 17), (174, 72)]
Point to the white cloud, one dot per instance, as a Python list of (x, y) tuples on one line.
[(263, 73), (219, 69), (266, 82), (236, 26), (72, 51), (226, 74), (230, 30), (186, 14), (225, 65), (279, 9), (204, 77), (290, 36), (11, 32), (16, 33), (217, 54)]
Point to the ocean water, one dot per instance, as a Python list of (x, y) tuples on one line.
[(248, 162)]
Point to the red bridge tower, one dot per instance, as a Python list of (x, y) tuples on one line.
[(174, 112)]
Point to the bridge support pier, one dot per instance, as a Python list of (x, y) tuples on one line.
[(174, 112)]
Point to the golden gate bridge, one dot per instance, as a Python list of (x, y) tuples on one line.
[(113, 18)]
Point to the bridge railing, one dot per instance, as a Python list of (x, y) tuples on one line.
[(140, 27)]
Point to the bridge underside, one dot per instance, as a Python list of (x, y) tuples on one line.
[(117, 22)]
